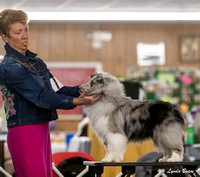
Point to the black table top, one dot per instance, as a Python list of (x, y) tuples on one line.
[(99, 163)]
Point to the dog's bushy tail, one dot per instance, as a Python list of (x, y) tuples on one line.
[(180, 117)]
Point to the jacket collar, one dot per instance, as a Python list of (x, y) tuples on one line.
[(21, 57)]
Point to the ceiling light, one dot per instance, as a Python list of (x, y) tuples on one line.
[(97, 37), (115, 16)]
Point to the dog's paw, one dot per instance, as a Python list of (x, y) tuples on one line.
[(111, 159), (107, 160), (164, 159), (174, 159)]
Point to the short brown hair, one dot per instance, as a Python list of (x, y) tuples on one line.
[(10, 16)]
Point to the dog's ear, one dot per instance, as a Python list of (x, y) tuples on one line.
[(107, 80)]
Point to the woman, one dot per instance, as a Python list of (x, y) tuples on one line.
[(29, 99)]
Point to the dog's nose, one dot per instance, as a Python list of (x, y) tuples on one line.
[(81, 89)]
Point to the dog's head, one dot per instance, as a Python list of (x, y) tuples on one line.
[(101, 83)]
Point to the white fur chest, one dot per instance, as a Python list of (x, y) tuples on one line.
[(98, 115), (99, 109)]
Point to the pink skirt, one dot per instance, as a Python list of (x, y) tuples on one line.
[(30, 149)]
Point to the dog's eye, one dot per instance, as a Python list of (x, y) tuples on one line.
[(100, 80), (93, 75)]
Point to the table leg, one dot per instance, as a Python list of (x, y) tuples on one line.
[(95, 170), (126, 170)]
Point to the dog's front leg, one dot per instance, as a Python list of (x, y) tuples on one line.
[(115, 147)]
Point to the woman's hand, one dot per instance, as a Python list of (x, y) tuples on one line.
[(83, 99)]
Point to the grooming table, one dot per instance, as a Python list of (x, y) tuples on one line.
[(128, 168)]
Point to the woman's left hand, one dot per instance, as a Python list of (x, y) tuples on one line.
[(84, 99)]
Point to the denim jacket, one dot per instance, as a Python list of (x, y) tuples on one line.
[(27, 91)]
